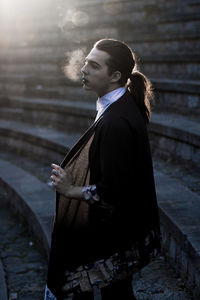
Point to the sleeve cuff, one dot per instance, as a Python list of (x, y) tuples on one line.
[(89, 192)]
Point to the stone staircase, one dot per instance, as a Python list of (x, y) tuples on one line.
[(43, 112)]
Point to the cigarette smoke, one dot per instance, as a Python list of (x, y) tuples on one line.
[(74, 62), (71, 17)]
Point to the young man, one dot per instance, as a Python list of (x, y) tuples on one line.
[(106, 199)]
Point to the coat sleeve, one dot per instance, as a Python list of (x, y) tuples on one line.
[(118, 160)]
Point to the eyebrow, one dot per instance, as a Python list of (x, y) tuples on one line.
[(92, 61)]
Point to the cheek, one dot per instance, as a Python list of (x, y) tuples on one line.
[(101, 77)]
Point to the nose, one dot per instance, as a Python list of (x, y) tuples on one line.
[(84, 70)]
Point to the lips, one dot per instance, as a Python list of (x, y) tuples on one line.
[(84, 81)]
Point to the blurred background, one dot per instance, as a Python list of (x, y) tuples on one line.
[(44, 110)]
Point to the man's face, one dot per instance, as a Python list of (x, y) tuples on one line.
[(95, 72)]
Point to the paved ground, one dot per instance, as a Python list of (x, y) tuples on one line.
[(158, 281), (25, 265), (189, 177), (23, 262)]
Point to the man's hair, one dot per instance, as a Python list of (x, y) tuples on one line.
[(123, 59)]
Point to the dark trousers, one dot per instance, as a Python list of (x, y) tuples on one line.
[(120, 290)]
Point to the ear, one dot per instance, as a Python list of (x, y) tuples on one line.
[(116, 76)]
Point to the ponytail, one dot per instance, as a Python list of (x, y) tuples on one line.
[(141, 89), (123, 59)]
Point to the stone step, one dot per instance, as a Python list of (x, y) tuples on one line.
[(186, 176), (39, 91), (90, 35), (184, 15), (22, 82), (38, 81), (179, 28), (188, 86), (31, 199), (141, 48), (163, 69), (127, 5), (178, 95), (166, 7), (180, 241), (184, 67), (129, 14), (40, 69), (95, 9), (165, 47), (73, 116), (48, 55), (172, 136), (180, 207), (36, 141), (168, 100), (175, 137)]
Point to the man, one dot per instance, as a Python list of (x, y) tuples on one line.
[(110, 169)]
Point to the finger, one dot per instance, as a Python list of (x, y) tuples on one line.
[(58, 168), (53, 178), (52, 183), (56, 173)]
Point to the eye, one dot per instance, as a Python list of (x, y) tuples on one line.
[(95, 66)]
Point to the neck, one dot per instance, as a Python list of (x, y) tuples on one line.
[(110, 89)]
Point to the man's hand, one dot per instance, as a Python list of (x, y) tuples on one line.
[(61, 180)]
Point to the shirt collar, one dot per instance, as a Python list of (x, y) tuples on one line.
[(109, 98)]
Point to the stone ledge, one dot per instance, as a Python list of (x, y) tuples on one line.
[(183, 16), (62, 88), (47, 55), (38, 134), (170, 135), (167, 58), (179, 212), (64, 115), (12, 56), (30, 199), (66, 106), (35, 141), (176, 127), (86, 35), (175, 137), (174, 85)]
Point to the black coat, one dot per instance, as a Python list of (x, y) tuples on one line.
[(121, 167)]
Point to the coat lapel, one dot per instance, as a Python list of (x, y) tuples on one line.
[(80, 143)]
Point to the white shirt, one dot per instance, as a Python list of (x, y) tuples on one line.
[(103, 102)]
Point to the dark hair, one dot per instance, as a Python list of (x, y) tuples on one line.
[(123, 59)]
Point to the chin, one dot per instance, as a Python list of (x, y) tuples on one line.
[(87, 88)]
